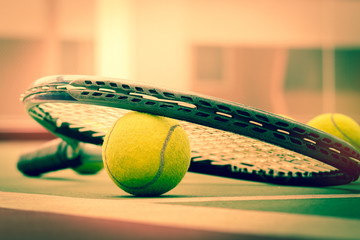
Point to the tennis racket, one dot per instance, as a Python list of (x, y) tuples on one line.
[(227, 139), (57, 154)]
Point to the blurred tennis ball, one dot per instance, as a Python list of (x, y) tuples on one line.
[(89, 168), (339, 125), (90, 156), (146, 155)]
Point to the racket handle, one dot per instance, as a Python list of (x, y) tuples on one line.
[(52, 156)]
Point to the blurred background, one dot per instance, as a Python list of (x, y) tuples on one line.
[(294, 57)]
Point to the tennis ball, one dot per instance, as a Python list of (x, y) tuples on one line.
[(89, 168), (90, 156), (146, 155), (339, 125)]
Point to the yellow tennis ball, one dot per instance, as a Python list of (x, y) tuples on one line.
[(146, 155), (90, 168), (89, 155), (339, 125)]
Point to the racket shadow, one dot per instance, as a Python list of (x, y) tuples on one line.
[(64, 179), (156, 197)]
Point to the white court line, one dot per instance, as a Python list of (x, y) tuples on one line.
[(254, 198), (204, 218)]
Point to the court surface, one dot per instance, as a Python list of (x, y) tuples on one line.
[(65, 205)]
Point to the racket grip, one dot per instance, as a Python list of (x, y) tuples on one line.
[(52, 156)]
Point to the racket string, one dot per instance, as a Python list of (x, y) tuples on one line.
[(247, 154), (84, 118), (220, 148)]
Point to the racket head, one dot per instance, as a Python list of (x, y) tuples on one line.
[(84, 107)]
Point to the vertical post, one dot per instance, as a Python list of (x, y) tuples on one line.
[(114, 51), (328, 72), (51, 39), (328, 57)]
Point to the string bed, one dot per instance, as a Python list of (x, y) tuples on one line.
[(241, 154)]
